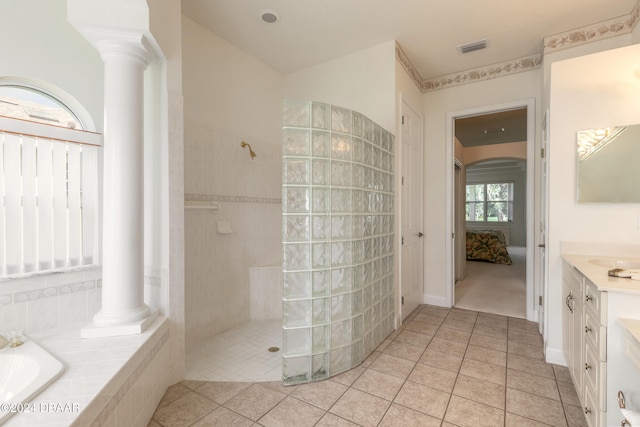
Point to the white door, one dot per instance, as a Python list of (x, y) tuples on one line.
[(541, 278), (412, 240)]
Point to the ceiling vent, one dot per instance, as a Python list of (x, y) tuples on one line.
[(470, 47)]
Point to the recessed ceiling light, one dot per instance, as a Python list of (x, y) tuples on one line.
[(269, 16), (473, 46)]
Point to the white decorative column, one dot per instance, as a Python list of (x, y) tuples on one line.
[(123, 309)]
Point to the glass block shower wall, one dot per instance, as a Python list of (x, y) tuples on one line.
[(338, 225)]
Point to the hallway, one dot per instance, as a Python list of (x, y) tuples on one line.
[(443, 367)]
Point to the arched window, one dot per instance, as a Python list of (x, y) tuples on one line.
[(48, 184)]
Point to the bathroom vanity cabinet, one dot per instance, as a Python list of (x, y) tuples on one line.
[(594, 338)]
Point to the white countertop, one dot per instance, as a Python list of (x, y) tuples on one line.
[(598, 274)]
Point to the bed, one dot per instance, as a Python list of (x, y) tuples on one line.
[(488, 246)]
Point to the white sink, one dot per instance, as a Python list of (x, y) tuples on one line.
[(624, 263)]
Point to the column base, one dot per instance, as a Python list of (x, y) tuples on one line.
[(137, 327)]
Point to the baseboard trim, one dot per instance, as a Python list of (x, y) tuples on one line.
[(555, 356), (438, 301)]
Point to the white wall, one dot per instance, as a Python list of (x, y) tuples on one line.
[(437, 104), (590, 91), (229, 97), (363, 82)]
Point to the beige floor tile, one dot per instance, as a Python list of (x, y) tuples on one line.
[(468, 413), (461, 325), (527, 350), (322, 394), (220, 392), (562, 374), (433, 377), (493, 321), (513, 420), (292, 412), (398, 415), (222, 417), (575, 416), (523, 325), (480, 391), (370, 358), (278, 386), (421, 327), (435, 310), (379, 384), (455, 348), (254, 401), (453, 335), (414, 338), (525, 338), (184, 411), (568, 393), (393, 365), (348, 377), (441, 360), (533, 384), (537, 408), (330, 420), (531, 366), (491, 331), (484, 371), (405, 350), (192, 384), (360, 407), (152, 423), (423, 399), (483, 354), (487, 341), (430, 319), (173, 392), (463, 314)]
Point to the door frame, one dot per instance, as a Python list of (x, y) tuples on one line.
[(532, 311)]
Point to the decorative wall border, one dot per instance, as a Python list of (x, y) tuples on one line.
[(595, 32), (193, 198)]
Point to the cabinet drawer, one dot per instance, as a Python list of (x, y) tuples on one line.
[(594, 377), (595, 301), (595, 335), (594, 416)]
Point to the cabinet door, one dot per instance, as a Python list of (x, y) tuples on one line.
[(577, 366)]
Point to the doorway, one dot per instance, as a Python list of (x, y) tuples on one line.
[(504, 154)]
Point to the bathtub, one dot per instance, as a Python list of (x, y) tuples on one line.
[(24, 372), (265, 292)]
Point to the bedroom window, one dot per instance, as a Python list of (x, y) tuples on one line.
[(489, 202), (48, 185)]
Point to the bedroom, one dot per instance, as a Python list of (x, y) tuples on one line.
[(491, 190)]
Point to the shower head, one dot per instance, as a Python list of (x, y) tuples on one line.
[(251, 152)]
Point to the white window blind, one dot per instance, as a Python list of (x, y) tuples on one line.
[(48, 186)]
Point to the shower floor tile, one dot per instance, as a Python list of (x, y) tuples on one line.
[(239, 354)]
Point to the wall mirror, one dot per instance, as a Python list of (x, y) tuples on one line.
[(609, 165)]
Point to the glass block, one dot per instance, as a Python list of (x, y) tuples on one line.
[(367, 298), (340, 307), (320, 145), (296, 313), (375, 161), (358, 276), (296, 199), (358, 251), (341, 253), (320, 340), (320, 115), (320, 255), (340, 200), (375, 139), (296, 370), (357, 300), (320, 227), (366, 158), (340, 119), (392, 143), (320, 283), (321, 311), (340, 360), (296, 285), (358, 176), (368, 319), (358, 124), (340, 227), (384, 161), (384, 142), (368, 178), (320, 200), (295, 113), (341, 333), (358, 150), (295, 171), (295, 228), (296, 256), (341, 174), (368, 129), (357, 352), (320, 172), (357, 327), (296, 342), (340, 146), (296, 142), (320, 366), (341, 280), (358, 222), (369, 343)]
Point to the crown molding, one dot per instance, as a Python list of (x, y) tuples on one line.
[(599, 31)]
